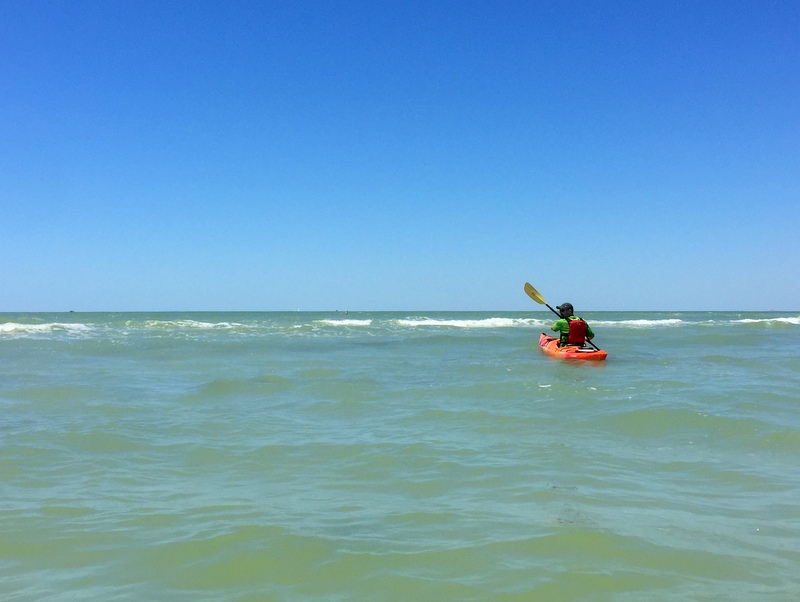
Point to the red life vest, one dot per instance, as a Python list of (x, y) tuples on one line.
[(577, 332)]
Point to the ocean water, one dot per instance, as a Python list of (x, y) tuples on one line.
[(398, 456)]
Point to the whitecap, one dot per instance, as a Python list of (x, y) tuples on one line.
[(18, 328), (190, 324), (640, 323), (783, 320), (345, 322), (484, 323)]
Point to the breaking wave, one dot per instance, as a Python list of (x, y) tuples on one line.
[(476, 323), (345, 322), (60, 327)]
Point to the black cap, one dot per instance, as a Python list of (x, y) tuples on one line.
[(564, 306)]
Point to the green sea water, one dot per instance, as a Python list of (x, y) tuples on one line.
[(398, 456)]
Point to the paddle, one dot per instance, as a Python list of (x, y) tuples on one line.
[(534, 294)]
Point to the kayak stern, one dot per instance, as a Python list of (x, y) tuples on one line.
[(570, 352)]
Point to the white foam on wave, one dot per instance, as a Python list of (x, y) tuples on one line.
[(482, 323), (345, 322), (639, 323), (190, 324), (795, 321), (17, 328)]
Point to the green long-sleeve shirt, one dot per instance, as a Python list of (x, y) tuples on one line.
[(561, 326)]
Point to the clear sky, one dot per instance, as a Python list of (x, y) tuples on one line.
[(399, 155)]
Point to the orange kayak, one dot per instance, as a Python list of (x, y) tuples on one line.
[(571, 352)]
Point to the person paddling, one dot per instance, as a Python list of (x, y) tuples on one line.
[(573, 329)]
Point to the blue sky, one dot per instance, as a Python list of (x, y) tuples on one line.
[(320, 155)]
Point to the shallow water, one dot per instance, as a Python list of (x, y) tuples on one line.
[(389, 456)]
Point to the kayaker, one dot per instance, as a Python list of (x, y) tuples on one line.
[(573, 329)]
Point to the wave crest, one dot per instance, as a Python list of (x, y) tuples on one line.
[(639, 323), (19, 328), (478, 323), (345, 322), (167, 324), (795, 321)]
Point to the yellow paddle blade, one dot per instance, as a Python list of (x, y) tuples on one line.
[(534, 294)]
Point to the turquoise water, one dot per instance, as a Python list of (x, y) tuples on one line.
[(398, 456)]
